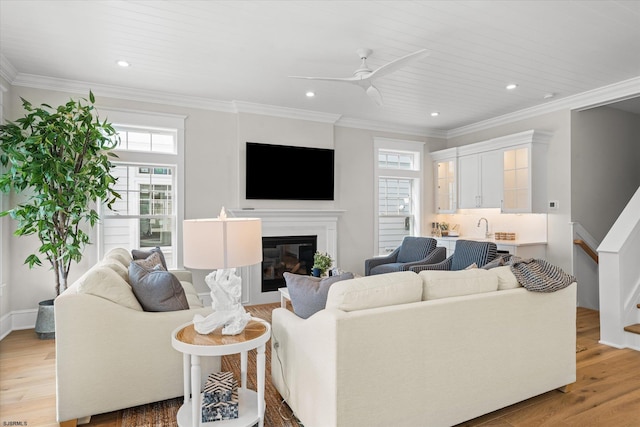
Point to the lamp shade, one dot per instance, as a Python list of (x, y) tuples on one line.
[(216, 243)]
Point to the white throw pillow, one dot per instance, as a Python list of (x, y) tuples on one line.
[(379, 290), (506, 278), (444, 284), (120, 255), (105, 283), (117, 267)]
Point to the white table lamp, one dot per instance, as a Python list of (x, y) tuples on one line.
[(222, 244)]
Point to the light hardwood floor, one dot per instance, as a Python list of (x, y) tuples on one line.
[(606, 393)]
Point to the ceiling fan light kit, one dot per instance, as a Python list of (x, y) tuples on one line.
[(364, 76)]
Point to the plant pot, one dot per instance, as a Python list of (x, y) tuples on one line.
[(316, 272), (45, 322)]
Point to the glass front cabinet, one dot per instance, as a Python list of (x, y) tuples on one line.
[(445, 170)]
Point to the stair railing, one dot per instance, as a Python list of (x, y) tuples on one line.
[(588, 250)]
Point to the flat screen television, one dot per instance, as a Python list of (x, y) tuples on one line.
[(283, 172)]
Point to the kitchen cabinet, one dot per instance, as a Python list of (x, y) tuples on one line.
[(444, 166), (524, 180), (507, 172), (518, 248), (449, 243), (480, 180)]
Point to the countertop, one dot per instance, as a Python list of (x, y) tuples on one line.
[(497, 242)]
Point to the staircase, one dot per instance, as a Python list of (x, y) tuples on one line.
[(635, 328), (619, 277)]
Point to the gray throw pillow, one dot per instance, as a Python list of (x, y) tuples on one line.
[(309, 294), (155, 288), (142, 254)]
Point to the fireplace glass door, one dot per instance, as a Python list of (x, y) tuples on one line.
[(293, 254)]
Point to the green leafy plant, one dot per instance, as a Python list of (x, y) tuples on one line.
[(59, 159), (322, 261)]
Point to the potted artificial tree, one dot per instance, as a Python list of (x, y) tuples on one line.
[(321, 263), (59, 159)]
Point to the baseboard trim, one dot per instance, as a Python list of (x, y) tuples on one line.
[(17, 320), (610, 344)]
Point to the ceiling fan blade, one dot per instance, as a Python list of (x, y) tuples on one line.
[(330, 79), (398, 63), (374, 94)]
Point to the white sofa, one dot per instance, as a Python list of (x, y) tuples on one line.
[(110, 354), (407, 349)]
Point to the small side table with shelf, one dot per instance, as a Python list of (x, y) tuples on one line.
[(251, 406)]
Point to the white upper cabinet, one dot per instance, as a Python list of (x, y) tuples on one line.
[(480, 180), (525, 178), (444, 166), (517, 180), (507, 172)]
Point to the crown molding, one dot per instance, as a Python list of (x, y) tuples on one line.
[(590, 99), (131, 94), (81, 87), (391, 127), (289, 113), (7, 71), (594, 98)]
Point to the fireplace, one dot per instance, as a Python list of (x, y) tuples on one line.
[(287, 222), (280, 254)]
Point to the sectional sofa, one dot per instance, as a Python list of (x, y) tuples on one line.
[(430, 349), (110, 353)]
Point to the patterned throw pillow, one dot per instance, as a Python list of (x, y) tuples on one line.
[(143, 254), (152, 262)]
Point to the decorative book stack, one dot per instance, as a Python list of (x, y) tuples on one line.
[(220, 397)]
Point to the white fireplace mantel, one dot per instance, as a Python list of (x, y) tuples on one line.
[(287, 222), (280, 213)]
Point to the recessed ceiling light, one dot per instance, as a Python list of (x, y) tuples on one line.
[(512, 86), (435, 114), (123, 63), (310, 94)]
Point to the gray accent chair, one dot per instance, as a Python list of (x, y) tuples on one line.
[(414, 251), (465, 254)]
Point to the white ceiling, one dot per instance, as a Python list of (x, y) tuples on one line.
[(244, 51)]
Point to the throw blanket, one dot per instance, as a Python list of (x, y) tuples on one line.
[(537, 275)]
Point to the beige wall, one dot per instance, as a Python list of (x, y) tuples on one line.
[(5, 296), (605, 172), (214, 177)]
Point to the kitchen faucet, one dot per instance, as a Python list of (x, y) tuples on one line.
[(486, 226)]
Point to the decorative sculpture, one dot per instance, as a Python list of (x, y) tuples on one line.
[(228, 312)]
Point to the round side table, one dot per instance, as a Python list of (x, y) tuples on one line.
[(193, 345)]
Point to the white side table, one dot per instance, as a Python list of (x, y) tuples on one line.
[(284, 297), (251, 404)]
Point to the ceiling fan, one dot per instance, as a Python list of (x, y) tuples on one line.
[(364, 76)]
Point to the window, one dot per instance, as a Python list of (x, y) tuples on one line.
[(148, 169), (147, 140), (398, 180)]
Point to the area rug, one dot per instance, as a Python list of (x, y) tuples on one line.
[(163, 414), (158, 414)]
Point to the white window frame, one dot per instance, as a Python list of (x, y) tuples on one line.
[(416, 174), (153, 121)]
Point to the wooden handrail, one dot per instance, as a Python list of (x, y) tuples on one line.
[(585, 247)]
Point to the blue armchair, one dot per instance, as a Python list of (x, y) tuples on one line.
[(413, 251), (465, 254)]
